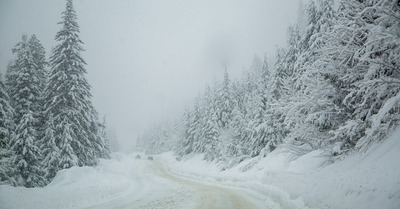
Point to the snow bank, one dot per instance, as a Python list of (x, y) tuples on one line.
[(76, 187), (73, 188), (368, 180)]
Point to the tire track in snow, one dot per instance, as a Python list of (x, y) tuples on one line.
[(160, 189), (212, 196)]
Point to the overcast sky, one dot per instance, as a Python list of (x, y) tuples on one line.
[(147, 59)]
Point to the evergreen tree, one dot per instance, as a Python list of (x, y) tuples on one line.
[(340, 66), (39, 58), (25, 88), (278, 75), (375, 95), (68, 100), (50, 150), (210, 129), (105, 149), (27, 155), (7, 169), (225, 102), (10, 80), (26, 102)]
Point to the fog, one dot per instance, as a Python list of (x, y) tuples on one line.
[(147, 60)]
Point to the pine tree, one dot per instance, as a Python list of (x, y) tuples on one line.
[(25, 86), (39, 58), (7, 169), (10, 80), (278, 75), (225, 102), (26, 154), (50, 150), (375, 95), (26, 78), (210, 129), (105, 151), (68, 100), (26, 102), (340, 66), (310, 109)]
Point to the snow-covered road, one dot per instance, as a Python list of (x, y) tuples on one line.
[(159, 188), (211, 195)]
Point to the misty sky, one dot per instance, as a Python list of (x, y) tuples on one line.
[(148, 59)]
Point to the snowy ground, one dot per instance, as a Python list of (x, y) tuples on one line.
[(370, 180), (125, 182)]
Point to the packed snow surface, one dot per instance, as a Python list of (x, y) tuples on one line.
[(368, 180)]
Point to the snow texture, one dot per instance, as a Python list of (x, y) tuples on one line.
[(368, 180)]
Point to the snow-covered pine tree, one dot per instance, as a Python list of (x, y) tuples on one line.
[(39, 58), (105, 152), (293, 51), (314, 96), (25, 86), (278, 75), (235, 139), (376, 94), (10, 80), (7, 169), (196, 126), (185, 144), (225, 102), (68, 99), (235, 145), (50, 150), (210, 129), (26, 102), (257, 105), (278, 85), (27, 155), (340, 66), (113, 138)]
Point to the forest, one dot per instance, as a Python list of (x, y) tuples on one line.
[(47, 119), (335, 87)]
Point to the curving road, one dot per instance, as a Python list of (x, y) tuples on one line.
[(211, 196), (156, 187)]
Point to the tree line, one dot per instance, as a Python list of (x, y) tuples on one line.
[(47, 119), (335, 86)]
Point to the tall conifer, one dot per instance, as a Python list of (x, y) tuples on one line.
[(75, 126)]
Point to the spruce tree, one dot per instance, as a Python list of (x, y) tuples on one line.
[(26, 102), (75, 125), (39, 58), (7, 170), (225, 102), (27, 155), (24, 81), (50, 150), (376, 90)]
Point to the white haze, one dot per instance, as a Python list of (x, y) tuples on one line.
[(147, 60)]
